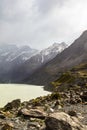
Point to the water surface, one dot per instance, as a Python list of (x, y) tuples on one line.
[(9, 92)]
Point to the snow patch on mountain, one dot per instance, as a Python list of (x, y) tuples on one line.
[(52, 51), (10, 53)]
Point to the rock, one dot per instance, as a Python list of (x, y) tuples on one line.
[(79, 100), (79, 115), (33, 124), (23, 111), (12, 105), (72, 113), (34, 113), (7, 126), (62, 121), (73, 101), (85, 103), (43, 128), (57, 105), (2, 116), (83, 96)]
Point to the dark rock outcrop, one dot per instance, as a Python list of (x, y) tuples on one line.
[(13, 105)]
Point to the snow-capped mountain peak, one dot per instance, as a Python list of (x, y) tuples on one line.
[(50, 52), (9, 53), (17, 62)]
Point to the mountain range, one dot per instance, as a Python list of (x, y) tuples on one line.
[(75, 54), (18, 62), (26, 65)]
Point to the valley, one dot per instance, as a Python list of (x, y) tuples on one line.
[(19, 62), (43, 65), (64, 107)]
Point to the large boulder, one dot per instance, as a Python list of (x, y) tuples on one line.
[(62, 121), (34, 113)]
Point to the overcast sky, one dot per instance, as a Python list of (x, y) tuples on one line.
[(40, 23)]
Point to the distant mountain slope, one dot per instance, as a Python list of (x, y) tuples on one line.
[(13, 56), (71, 56), (50, 52), (10, 53), (16, 63), (35, 62)]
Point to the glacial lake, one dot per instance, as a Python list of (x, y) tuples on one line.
[(9, 92)]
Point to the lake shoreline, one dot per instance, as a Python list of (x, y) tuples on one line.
[(24, 92), (37, 113)]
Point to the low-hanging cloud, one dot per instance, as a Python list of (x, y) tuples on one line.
[(39, 23)]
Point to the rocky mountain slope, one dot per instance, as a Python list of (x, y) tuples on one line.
[(13, 53), (50, 52), (74, 79), (13, 56), (71, 56), (18, 62), (36, 61)]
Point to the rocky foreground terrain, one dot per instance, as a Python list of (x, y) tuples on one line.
[(64, 109), (57, 111)]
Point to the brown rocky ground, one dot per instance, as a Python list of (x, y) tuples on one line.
[(57, 111), (64, 109)]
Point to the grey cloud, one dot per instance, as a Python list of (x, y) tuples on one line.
[(41, 22), (6, 9), (44, 6), (14, 10)]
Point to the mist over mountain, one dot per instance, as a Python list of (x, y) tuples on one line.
[(9, 53), (18, 62), (71, 56), (26, 65)]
